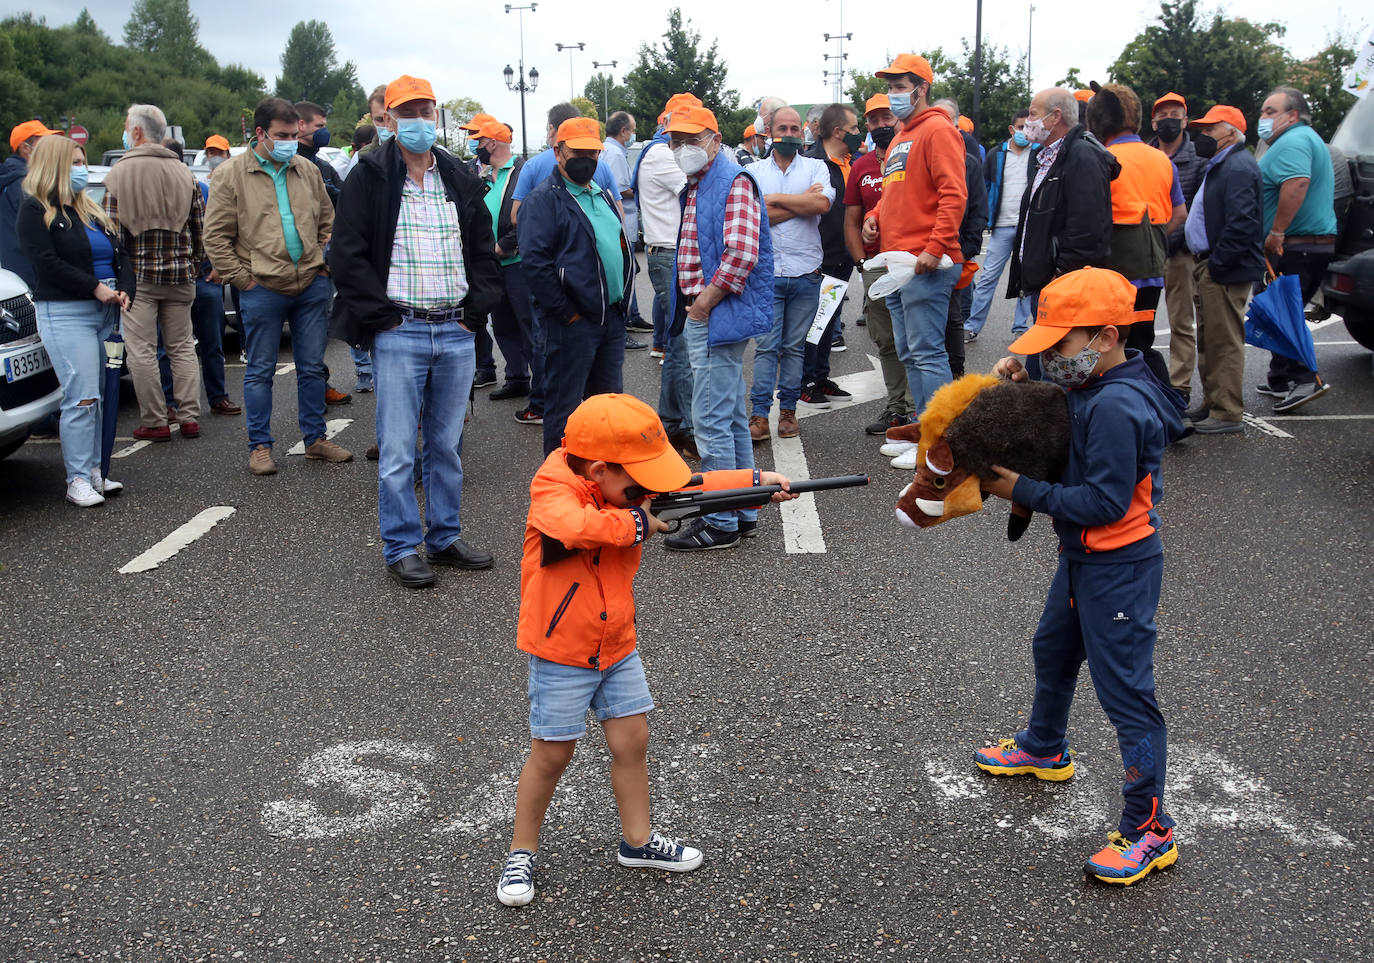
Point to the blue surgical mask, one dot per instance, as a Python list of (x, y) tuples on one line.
[(129, 145), (415, 134), (1020, 139), (472, 145), (384, 134), (901, 104), (284, 150), (1265, 128), (80, 178)]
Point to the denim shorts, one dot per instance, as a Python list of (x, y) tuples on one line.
[(560, 696)]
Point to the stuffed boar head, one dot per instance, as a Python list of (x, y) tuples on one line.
[(942, 489)]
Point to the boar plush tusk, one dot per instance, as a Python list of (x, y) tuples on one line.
[(932, 508)]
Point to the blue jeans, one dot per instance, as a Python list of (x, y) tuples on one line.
[(660, 267), (537, 347), (779, 354), (486, 361), (718, 418), (581, 359), (362, 367), (424, 373), (263, 313), (511, 324), (986, 280), (675, 386), (207, 325), (72, 333), (919, 311), (560, 696)]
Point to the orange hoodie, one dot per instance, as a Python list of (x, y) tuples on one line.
[(924, 191)]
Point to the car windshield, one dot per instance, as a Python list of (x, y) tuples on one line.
[(1356, 133)]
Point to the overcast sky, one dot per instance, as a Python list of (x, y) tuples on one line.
[(463, 46)]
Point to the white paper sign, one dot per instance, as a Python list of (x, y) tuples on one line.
[(832, 293), (1360, 76)]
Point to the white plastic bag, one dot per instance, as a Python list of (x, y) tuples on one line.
[(901, 268)]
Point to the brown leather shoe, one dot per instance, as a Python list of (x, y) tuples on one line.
[(226, 407), (787, 423), (758, 428), (260, 461), (325, 450), (333, 396), (190, 429)]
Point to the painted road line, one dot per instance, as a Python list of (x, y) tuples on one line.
[(1264, 426), (1321, 417), (331, 428), (1334, 319), (865, 386), (801, 523), (391, 797), (139, 445), (178, 540), (285, 369)]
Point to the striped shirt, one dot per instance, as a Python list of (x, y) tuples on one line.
[(427, 268)]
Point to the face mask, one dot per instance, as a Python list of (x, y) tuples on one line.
[(321, 138), (283, 150), (384, 134), (807, 137), (214, 162), (1070, 372), (472, 146), (1205, 145), (690, 158), (80, 177), (483, 155), (901, 104), (580, 170), (882, 136), (128, 144), (1169, 128), (852, 143), (416, 134), (1265, 129), (1020, 139), (787, 147), (1035, 130)]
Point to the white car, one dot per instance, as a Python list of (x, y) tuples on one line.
[(29, 390)]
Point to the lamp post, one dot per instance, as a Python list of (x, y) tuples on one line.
[(522, 86), (1030, 25), (839, 56), (605, 87), (570, 47), (978, 69)]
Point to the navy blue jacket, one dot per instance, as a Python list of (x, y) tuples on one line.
[(12, 257), (1104, 508), (1235, 219), (558, 252)]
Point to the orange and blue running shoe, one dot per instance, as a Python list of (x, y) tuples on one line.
[(1122, 862), (1007, 759)]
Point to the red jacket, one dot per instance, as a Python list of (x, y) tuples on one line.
[(580, 609)]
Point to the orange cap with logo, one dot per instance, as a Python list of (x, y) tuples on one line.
[(909, 64), (691, 120), (749, 131), (216, 141), (579, 133), (1088, 297), (1221, 114), (406, 88), (493, 129), (476, 122), (1171, 98), (624, 430), (877, 102), (676, 101), (29, 128)]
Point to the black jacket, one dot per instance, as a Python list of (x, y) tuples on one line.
[(1235, 219), (505, 229), (12, 256), (61, 255), (975, 209), (333, 184), (1067, 223), (834, 254), (1190, 168), (365, 229)]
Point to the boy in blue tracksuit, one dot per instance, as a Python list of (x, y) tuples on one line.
[(1101, 604)]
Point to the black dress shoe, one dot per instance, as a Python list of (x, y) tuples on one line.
[(633, 344), (639, 324), (412, 571), (511, 389), (462, 555)]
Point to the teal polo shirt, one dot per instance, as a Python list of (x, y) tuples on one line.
[(493, 201), (1300, 152), (608, 230), (294, 247)]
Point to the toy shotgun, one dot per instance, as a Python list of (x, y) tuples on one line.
[(673, 507)]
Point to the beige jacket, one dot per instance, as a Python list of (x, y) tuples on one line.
[(243, 230)]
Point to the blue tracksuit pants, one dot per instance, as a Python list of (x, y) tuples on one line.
[(1104, 613)]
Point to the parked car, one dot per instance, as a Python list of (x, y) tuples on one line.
[(1348, 288), (29, 390), (95, 185), (108, 158)]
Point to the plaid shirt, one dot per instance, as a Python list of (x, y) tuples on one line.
[(743, 222), (427, 268), (165, 257), (1043, 162)]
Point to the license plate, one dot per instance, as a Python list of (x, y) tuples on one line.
[(27, 363)]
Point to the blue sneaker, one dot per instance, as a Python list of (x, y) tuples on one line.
[(363, 386), (1008, 759), (1122, 862), (516, 887), (659, 852)]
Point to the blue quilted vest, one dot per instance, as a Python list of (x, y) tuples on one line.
[(738, 317)]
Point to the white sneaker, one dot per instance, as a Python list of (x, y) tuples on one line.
[(106, 486), (906, 461), (516, 887), (897, 448), (82, 495)]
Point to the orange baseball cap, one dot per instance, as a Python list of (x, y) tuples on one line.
[(477, 121), (216, 141), (1083, 95), (493, 129), (1170, 98), (692, 120), (676, 101), (406, 88), (1221, 114), (877, 102), (965, 124), (580, 133), (749, 131), (29, 128), (1083, 298), (624, 430), (909, 64)]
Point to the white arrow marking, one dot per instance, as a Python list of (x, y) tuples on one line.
[(1264, 426), (331, 428), (865, 386), (140, 445), (178, 540)]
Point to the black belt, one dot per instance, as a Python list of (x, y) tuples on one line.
[(433, 315), (655, 248)]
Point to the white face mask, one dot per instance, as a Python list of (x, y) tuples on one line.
[(1035, 130), (690, 157)]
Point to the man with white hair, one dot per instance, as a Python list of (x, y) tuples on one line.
[(153, 197)]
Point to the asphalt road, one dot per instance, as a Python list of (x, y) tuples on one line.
[(263, 749)]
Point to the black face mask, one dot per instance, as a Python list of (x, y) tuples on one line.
[(483, 155), (580, 170), (882, 136), (1205, 145), (1168, 128), (852, 143)]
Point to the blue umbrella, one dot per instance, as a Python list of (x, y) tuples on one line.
[(1275, 322), (109, 399)]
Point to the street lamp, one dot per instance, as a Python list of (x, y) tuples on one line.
[(570, 47), (523, 87), (605, 87)]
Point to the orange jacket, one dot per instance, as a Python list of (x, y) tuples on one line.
[(1144, 186), (924, 189), (580, 609)]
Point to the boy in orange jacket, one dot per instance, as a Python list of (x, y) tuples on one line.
[(589, 518)]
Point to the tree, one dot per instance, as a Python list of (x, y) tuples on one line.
[(863, 86), (679, 66), (1004, 89), (460, 111), (167, 30), (1321, 78), (310, 68), (610, 97), (1072, 80)]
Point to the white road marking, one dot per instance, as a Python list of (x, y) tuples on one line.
[(393, 798), (1334, 319), (139, 445), (179, 539), (331, 428), (1264, 426), (1366, 417), (865, 386), (287, 368), (801, 523)]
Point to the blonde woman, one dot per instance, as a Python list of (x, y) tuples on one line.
[(84, 280)]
